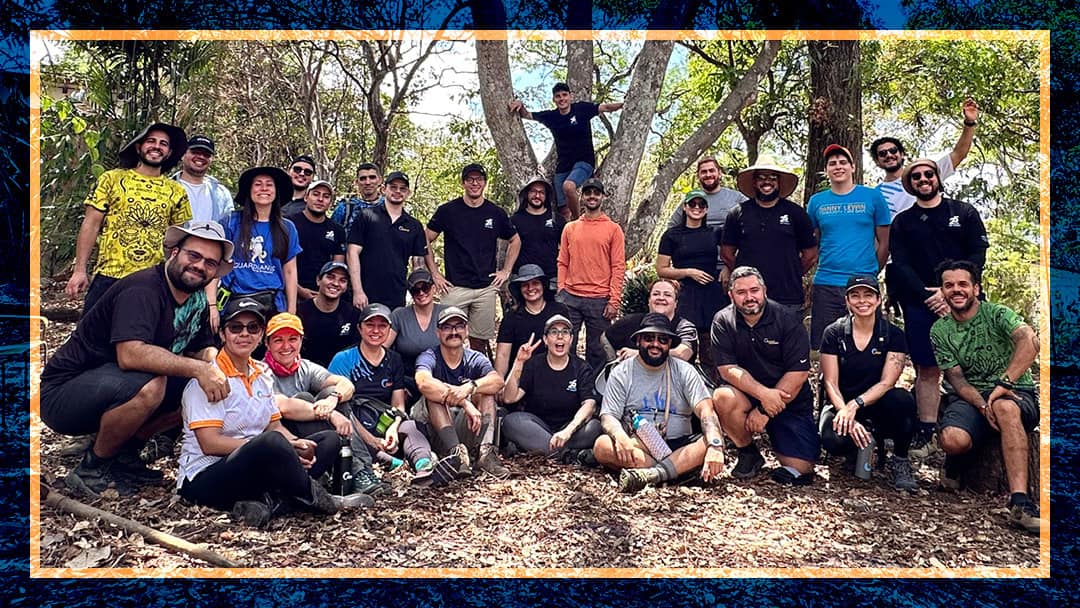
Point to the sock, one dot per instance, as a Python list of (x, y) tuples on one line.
[(396, 462), (487, 430), (795, 472), (422, 463), (1018, 498), (666, 469), (448, 438)]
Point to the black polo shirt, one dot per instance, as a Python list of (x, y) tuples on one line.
[(777, 344), (770, 240), (861, 369), (321, 241), (540, 236), (387, 246), (471, 235)]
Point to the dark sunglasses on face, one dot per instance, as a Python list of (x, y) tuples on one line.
[(697, 204), (195, 257), (300, 170), (237, 328), (420, 288), (883, 152), (660, 339), (922, 174)]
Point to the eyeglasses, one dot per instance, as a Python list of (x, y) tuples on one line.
[(697, 203), (883, 152), (473, 180), (923, 174), (420, 288), (300, 170), (456, 327), (558, 332), (660, 339), (238, 328), (195, 257)]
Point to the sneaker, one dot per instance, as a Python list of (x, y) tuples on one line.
[(130, 465), (950, 474), (399, 478), (748, 465), (632, 480), (445, 471), (587, 459), (489, 462), (422, 477), (92, 480), (902, 477), (365, 482), (321, 501), (785, 477), (511, 449), (253, 513), (923, 444), (352, 501), (464, 462), (160, 446), (1025, 516)]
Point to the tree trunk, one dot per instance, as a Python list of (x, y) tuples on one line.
[(988, 472), (496, 91), (835, 106)]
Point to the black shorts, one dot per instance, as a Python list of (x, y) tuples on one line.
[(793, 432), (681, 442), (962, 415), (75, 407)]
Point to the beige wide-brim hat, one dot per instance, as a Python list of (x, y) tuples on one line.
[(745, 180)]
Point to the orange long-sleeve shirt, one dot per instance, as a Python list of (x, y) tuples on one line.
[(592, 259)]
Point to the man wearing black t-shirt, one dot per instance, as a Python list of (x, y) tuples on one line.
[(569, 125), (321, 239), (384, 243), (763, 354), (539, 227), (771, 233), (473, 227), (329, 321), (302, 173), (122, 371), (931, 231)]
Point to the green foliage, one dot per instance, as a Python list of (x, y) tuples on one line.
[(635, 295)]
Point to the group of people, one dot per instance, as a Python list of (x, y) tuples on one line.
[(277, 331)]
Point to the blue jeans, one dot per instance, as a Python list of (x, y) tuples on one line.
[(589, 311), (580, 172)]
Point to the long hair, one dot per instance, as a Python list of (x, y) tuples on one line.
[(278, 234)]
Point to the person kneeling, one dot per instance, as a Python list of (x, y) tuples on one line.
[(236, 454), (672, 391)]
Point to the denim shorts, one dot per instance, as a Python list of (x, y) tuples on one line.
[(580, 172)]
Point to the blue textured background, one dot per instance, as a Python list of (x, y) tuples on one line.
[(18, 589)]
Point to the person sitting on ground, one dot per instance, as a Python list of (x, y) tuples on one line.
[(379, 378), (666, 391), (618, 339), (236, 454), (121, 373), (763, 354), (329, 321), (459, 387), (986, 352), (310, 398), (862, 356), (412, 327), (527, 320), (555, 390)]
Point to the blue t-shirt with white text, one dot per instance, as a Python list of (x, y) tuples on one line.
[(847, 223)]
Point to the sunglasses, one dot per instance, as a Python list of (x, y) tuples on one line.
[(883, 152), (697, 203), (195, 258), (420, 288), (923, 174), (238, 328), (660, 339), (300, 170)]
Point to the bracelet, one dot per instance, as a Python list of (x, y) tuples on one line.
[(970, 123)]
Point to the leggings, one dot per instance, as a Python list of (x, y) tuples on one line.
[(533, 435), (267, 463), (411, 442), (892, 416)]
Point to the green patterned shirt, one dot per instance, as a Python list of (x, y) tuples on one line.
[(981, 346)]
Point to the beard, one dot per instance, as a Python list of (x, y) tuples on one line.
[(966, 306), (175, 271), (315, 213), (656, 361), (750, 309), (765, 198), (152, 163), (926, 196)]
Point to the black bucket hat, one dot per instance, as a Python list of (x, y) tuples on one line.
[(282, 183), (178, 144), (657, 323)]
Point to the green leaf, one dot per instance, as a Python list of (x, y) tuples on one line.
[(78, 124)]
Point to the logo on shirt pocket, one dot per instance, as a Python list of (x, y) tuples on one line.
[(489, 224), (771, 342), (572, 387)]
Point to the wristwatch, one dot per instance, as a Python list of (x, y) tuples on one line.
[(717, 443), (335, 395), (859, 401), (1004, 382), (970, 123)]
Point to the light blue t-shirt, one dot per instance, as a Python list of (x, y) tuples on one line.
[(260, 270), (847, 223)]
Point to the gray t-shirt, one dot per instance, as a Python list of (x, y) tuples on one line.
[(633, 387), (309, 377), (411, 340)]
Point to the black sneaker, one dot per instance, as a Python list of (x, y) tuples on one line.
[(254, 513), (446, 470), (785, 477), (748, 465), (160, 446), (1025, 516), (129, 465), (587, 459), (93, 479)]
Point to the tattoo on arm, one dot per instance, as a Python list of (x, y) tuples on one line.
[(896, 359)]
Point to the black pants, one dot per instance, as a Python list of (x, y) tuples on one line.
[(267, 463), (891, 417)]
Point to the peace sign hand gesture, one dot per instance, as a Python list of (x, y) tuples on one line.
[(526, 350)]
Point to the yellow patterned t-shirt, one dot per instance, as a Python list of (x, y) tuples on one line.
[(138, 210)]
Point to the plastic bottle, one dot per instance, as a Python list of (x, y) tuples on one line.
[(647, 433), (342, 483), (864, 460)]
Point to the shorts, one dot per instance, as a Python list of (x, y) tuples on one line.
[(458, 420), (966, 417), (681, 442), (580, 172), (828, 304), (792, 432), (479, 304), (75, 406), (917, 322)]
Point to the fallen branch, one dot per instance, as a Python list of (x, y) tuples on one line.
[(59, 501)]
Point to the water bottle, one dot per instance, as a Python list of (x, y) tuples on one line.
[(385, 420), (647, 433), (864, 460), (342, 483)]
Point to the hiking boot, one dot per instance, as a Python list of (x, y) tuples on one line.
[(748, 465), (950, 473), (632, 480), (587, 459), (254, 513), (160, 446), (464, 462), (399, 477), (424, 469), (93, 478), (923, 444), (1025, 516), (365, 482), (489, 462), (785, 477), (511, 449), (129, 465), (900, 472), (445, 471), (321, 501)]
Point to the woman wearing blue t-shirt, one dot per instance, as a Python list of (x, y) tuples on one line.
[(266, 243)]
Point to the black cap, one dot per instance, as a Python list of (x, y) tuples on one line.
[(375, 310), (333, 265), (594, 183), (242, 304), (399, 175), (303, 158), (419, 276), (560, 86), (201, 141), (473, 168), (862, 280)]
